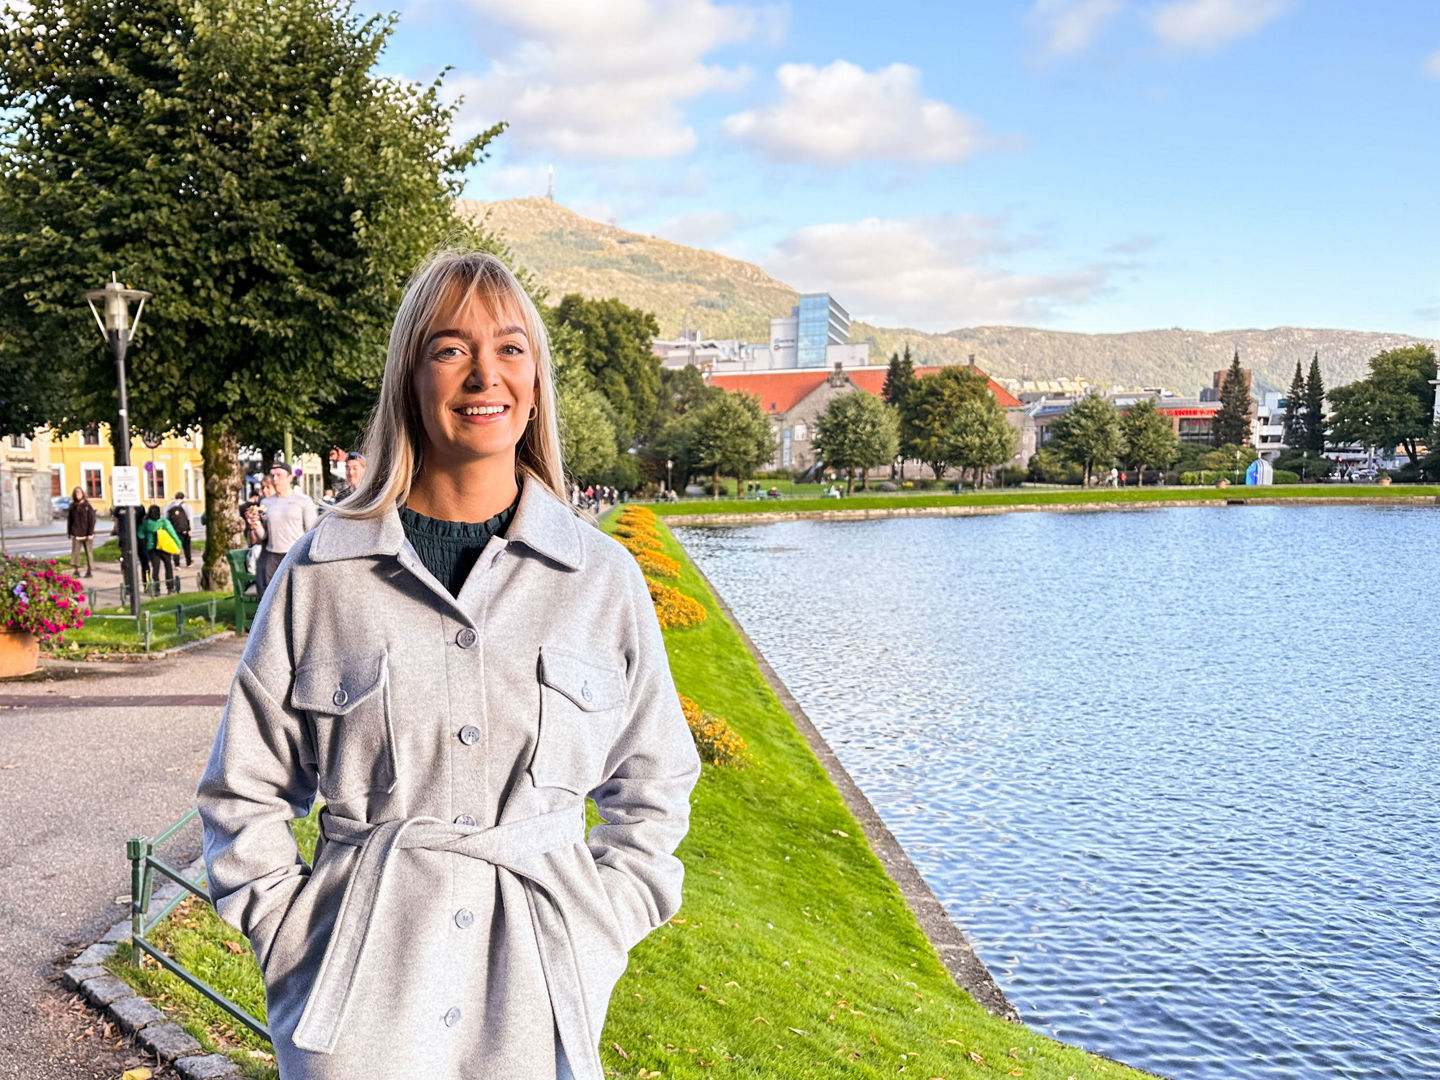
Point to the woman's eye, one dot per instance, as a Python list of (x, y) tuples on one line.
[(511, 349)]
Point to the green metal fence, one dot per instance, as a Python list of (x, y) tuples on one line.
[(149, 621), (143, 866)]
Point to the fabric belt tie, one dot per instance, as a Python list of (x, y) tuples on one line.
[(513, 845)]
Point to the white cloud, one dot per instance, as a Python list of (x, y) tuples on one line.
[(700, 229), (842, 113), (606, 79), (1206, 25), (928, 273), (1431, 67), (1068, 27)]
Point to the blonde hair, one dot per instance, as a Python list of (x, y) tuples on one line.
[(392, 442)]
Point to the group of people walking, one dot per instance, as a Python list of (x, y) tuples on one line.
[(160, 538), (277, 516)]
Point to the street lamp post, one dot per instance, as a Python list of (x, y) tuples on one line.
[(668, 466), (118, 330)]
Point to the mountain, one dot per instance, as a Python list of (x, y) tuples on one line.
[(728, 298)]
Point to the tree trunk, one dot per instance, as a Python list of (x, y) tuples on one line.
[(865, 480), (849, 481), (715, 484), (224, 491)]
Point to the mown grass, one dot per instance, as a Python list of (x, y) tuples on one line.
[(124, 635), (794, 954), (1043, 497)]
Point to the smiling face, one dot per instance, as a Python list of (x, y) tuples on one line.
[(474, 384)]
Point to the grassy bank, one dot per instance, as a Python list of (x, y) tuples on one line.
[(1043, 497), (103, 636), (794, 954)]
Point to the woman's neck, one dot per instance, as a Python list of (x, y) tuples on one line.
[(476, 492)]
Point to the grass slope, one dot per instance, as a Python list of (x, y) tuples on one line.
[(794, 954)]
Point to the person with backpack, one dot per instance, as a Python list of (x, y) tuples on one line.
[(179, 516), (162, 545)]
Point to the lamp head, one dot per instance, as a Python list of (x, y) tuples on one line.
[(115, 299)]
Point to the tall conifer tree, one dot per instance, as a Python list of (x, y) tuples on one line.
[(1295, 419), (1232, 422), (1315, 408)]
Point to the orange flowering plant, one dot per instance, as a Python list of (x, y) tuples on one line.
[(657, 565), (718, 743), (672, 607)]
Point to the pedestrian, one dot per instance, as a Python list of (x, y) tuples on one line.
[(289, 515), (354, 473), (161, 543), (80, 527), (178, 514), (452, 660)]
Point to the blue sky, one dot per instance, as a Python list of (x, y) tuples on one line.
[(1086, 165)]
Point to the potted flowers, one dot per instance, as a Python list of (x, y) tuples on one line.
[(37, 603)]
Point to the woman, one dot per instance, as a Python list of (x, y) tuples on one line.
[(158, 551), (452, 660), (80, 527)]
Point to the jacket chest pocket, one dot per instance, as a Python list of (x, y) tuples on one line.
[(348, 703), (580, 704)]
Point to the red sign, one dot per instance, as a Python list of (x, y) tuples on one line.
[(1187, 412), (152, 441)]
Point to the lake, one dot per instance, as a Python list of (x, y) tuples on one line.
[(1172, 771)]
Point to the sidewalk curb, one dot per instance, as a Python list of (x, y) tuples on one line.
[(116, 1000)]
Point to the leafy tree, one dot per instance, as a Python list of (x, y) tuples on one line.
[(1296, 421), (857, 432), (671, 438), (1047, 466), (586, 434), (980, 437), (1089, 434), (1234, 457), (1392, 406), (1232, 421), (244, 164), (899, 381), (1306, 464), (930, 410), (614, 347), (1149, 439), (1315, 426), (730, 435)]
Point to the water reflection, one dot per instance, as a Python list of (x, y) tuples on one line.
[(1171, 770)]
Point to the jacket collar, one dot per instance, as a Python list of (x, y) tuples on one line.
[(542, 523)]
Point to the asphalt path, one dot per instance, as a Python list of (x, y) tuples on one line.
[(78, 777), (50, 542)]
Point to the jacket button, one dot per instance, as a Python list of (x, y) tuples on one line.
[(452, 1017), (469, 734), (340, 698), (464, 918), (466, 638), (464, 819)]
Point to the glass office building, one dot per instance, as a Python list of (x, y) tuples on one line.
[(821, 322)]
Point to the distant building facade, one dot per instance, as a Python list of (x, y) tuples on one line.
[(815, 335)]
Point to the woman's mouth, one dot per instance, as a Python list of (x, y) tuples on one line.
[(481, 414)]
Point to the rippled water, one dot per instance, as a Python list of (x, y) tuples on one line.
[(1172, 771)]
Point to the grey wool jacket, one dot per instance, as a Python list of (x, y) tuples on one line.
[(457, 922)]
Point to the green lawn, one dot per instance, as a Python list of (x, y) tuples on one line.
[(794, 954), (1042, 497), (124, 635)]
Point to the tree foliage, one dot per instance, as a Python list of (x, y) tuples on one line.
[(614, 348), (929, 413), (1148, 438), (1390, 408), (1296, 421), (1089, 434), (1316, 428), (857, 432), (244, 164), (587, 437), (1232, 421), (730, 436), (980, 437)]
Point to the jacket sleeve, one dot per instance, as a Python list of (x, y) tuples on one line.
[(652, 768), (260, 775)]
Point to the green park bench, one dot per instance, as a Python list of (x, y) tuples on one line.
[(240, 581)]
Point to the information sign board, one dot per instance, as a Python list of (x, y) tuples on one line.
[(125, 485)]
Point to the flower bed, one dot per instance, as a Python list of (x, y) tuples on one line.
[(718, 743), (672, 607)]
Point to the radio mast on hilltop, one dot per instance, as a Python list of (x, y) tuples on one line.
[(550, 182)]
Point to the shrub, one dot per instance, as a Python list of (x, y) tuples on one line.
[(657, 565), (717, 742), (1285, 476), (636, 544), (672, 607), (1011, 476), (37, 598), (907, 485)]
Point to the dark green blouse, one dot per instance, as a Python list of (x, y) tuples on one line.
[(449, 548)]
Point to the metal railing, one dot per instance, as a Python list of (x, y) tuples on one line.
[(143, 866), (149, 621)]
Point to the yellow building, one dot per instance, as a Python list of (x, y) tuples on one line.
[(84, 459)]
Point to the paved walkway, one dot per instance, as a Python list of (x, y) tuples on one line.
[(111, 751)]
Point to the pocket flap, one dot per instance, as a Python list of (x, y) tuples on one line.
[(588, 685), (337, 686)]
